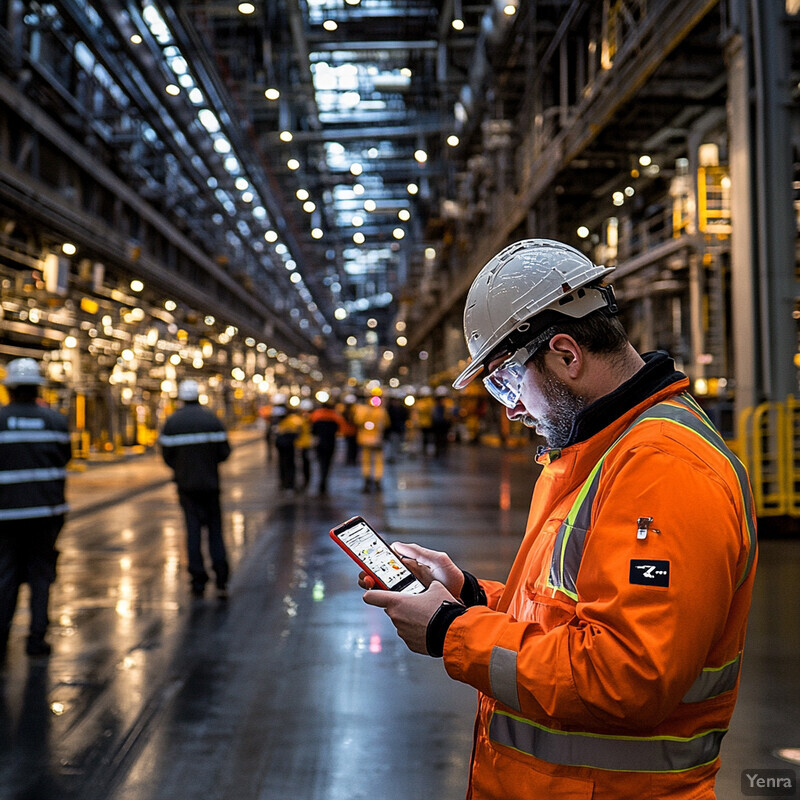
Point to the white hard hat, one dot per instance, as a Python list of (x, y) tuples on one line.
[(188, 390), (306, 404), (23, 372), (441, 391), (520, 282), (278, 399)]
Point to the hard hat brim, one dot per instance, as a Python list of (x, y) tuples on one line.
[(468, 375)]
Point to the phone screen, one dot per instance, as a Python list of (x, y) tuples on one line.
[(357, 536)]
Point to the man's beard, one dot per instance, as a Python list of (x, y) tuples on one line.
[(564, 405)]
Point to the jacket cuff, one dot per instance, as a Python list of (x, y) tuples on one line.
[(439, 624), (471, 592)]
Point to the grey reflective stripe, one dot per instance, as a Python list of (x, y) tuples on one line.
[(33, 512), (178, 439), (503, 676), (15, 437), (704, 428), (616, 753), (714, 681), (32, 475), (570, 539), (571, 536)]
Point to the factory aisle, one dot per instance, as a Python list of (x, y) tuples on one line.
[(294, 687)]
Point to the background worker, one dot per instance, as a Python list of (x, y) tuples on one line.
[(288, 428), (371, 421), (326, 425), (305, 441), (608, 663), (193, 444), (34, 451)]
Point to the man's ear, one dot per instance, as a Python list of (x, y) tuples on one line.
[(567, 357)]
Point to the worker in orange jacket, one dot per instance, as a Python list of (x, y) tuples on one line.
[(608, 663)]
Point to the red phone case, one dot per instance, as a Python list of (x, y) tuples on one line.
[(379, 584)]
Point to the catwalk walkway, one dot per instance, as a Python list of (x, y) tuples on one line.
[(294, 688)]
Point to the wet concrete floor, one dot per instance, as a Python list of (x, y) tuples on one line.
[(293, 688)]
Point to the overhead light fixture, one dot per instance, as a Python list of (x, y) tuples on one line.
[(137, 286), (301, 194), (356, 169), (453, 140), (421, 156), (412, 188), (293, 164), (172, 89), (272, 93), (458, 21), (404, 214), (68, 249), (286, 136), (582, 232), (398, 233), (136, 39), (359, 237), (309, 206), (370, 205), (246, 8), (509, 9), (358, 189), (330, 25), (316, 233)]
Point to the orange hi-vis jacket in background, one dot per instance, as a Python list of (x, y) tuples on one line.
[(608, 664)]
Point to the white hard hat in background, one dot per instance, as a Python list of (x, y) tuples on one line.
[(306, 405), (523, 280), (278, 399), (23, 372), (188, 390)]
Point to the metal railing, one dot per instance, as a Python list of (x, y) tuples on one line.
[(767, 442)]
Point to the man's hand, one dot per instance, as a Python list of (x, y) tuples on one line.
[(427, 565), (410, 613)]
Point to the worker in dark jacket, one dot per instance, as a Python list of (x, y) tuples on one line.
[(34, 451), (193, 443)]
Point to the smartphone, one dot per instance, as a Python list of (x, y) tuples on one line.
[(366, 547)]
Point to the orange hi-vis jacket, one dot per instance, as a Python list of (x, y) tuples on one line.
[(608, 664)]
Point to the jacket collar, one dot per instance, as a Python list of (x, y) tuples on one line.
[(658, 373)]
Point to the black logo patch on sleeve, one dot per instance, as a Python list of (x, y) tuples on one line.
[(649, 573)]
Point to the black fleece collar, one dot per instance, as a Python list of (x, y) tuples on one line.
[(657, 373)]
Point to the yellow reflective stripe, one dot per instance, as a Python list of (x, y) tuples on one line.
[(714, 681), (568, 547), (601, 751), (503, 676), (678, 413)]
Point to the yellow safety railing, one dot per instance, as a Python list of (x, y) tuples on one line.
[(769, 446)]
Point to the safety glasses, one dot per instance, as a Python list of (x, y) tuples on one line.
[(504, 382)]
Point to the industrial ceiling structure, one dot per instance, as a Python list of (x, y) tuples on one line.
[(357, 115), (312, 185)]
